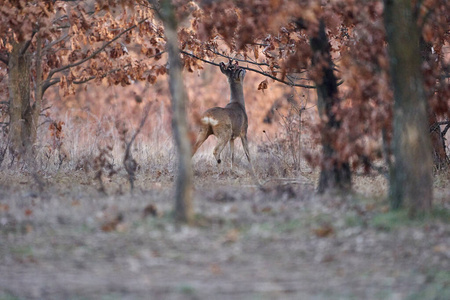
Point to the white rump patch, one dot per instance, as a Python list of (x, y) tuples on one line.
[(210, 121)]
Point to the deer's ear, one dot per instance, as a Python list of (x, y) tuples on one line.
[(223, 68)]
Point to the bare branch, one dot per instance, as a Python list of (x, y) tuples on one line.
[(242, 60), (128, 160), (253, 70), (56, 42), (437, 124), (444, 132), (28, 43)]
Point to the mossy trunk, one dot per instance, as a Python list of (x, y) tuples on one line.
[(184, 182), (411, 182), (335, 173)]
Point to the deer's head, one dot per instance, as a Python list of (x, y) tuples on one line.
[(233, 71)]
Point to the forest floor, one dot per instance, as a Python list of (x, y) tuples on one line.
[(60, 238)]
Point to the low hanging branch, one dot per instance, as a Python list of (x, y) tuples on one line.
[(93, 54), (129, 162), (81, 81), (306, 86), (243, 60)]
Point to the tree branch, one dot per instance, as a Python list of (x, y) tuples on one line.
[(56, 42), (52, 72), (437, 124), (242, 60), (253, 70), (57, 80), (444, 132), (28, 43)]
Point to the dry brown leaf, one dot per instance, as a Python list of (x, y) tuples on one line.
[(324, 231), (263, 85), (231, 236), (4, 207), (75, 203), (266, 209), (215, 269), (150, 210)]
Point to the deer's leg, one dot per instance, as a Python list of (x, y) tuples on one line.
[(247, 153), (223, 132), (232, 153), (221, 143), (245, 146), (201, 138)]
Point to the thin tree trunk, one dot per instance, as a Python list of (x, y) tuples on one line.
[(440, 158), (19, 99), (411, 182), (184, 185), (334, 173)]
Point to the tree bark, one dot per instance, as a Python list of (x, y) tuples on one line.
[(19, 98), (335, 173), (440, 158), (411, 182), (38, 92), (184, 184)]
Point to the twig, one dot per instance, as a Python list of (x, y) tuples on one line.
[(242, 60), (128, 161), (436, 125), (28, 43)]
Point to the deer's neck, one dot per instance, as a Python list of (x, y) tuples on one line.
[(237, 93)]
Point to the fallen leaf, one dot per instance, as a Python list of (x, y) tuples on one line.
[(150, 210), (4, 207), (75, 203), (215, 269), (441, 248), (28, 228), (384, 209), (324, 231), (231, 236), (266, 209)]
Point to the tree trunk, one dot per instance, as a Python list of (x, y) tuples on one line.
[(411, 182), (19, 99), (440, 158), (38, 93), (183, 194), (335, 173)]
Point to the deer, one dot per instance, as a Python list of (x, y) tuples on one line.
[(229, 122)]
